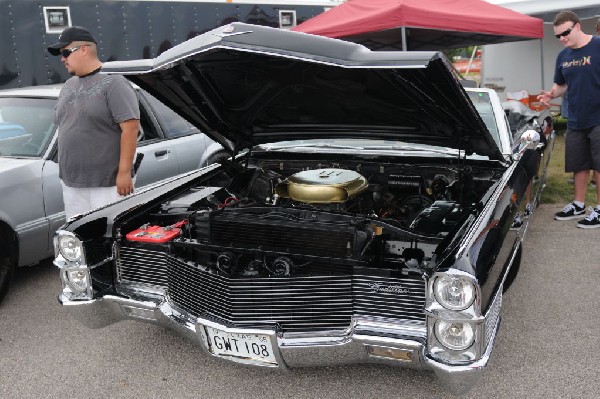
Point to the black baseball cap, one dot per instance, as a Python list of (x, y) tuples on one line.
[(69, 35)]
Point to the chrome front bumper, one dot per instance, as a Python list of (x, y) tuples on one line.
[(363, 342)]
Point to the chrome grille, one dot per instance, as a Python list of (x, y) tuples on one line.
[(141, 265), (390, 297), (294, 303), (300, 303)]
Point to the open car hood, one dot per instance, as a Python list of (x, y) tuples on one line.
[(245, 85)]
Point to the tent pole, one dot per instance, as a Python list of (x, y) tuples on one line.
[(542, 62), (471, 61), (404, 46)]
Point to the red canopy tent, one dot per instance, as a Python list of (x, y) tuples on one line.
[(423, 24)]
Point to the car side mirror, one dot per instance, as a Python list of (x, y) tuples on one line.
[(530, 135), (529, 139)]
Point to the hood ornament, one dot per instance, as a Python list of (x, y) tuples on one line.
[(229, 30)]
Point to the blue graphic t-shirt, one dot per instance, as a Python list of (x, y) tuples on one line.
[(580, 70)]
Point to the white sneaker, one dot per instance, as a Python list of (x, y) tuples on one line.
[(571, 211), (591, 221), (528, 210)]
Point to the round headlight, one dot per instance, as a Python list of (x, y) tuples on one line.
[(78, 279), (70, 247), (454, 335), (454, 292)]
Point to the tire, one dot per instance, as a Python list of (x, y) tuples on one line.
[(7, 260), (7, 270), (217, 157), (514, 270)]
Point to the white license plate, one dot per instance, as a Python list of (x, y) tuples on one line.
[(253, 347)]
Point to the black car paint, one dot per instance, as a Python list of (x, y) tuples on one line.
[(491, 224), (477, 243), (256, 87), (488, 227), (500, 243)]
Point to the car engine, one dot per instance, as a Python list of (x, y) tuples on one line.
[(286, 219)]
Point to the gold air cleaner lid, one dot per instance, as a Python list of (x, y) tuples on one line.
[(322, 186)]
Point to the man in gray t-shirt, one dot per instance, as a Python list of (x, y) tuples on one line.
[(98, 121)]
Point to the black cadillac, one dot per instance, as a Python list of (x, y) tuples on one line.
[(371, 210)]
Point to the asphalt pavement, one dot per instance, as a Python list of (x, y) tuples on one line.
[(548, 344)]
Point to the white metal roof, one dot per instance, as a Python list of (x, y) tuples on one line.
[(547, 9)]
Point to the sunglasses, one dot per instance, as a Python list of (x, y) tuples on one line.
[(68, 51), (565, 33)]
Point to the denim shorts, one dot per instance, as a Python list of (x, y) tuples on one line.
[(582, 149)]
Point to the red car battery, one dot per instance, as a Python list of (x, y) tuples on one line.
[(156, 234)]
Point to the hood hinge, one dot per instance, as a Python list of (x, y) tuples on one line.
[(238, 147)]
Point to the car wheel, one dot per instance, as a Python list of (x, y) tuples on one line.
[(217, 157), (7, 269), (8, 258), (514, 270)]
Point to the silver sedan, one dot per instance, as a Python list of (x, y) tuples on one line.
[(31, 205)]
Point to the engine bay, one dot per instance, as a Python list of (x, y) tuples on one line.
[(284, 218)]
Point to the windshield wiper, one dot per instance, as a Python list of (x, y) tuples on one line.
[(448, 151), (411, 148)]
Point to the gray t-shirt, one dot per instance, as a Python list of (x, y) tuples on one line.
[(88, 113)]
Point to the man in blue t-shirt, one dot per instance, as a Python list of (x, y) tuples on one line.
[(577, 74)]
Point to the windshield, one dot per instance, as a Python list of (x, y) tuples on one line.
[(26, 126), (481, 101), (483, 105)]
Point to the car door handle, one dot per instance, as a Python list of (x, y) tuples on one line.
[(161, 153)]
